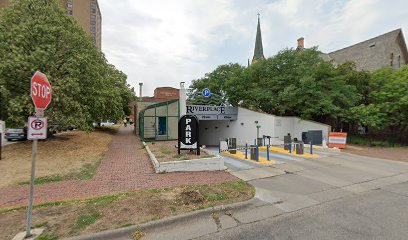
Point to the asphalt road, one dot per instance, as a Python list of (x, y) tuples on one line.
[(378, 214), (336, 196)]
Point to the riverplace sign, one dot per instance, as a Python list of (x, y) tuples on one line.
[(212, 112)]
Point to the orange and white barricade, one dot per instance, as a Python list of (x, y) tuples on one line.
[(337, 139)]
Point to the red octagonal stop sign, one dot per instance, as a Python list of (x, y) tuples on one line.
[(40, 90)]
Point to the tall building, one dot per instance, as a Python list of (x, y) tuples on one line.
[(86, 12), (258, 52)]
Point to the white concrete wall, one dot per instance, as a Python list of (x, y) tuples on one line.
[(212, 131), (304, 126)]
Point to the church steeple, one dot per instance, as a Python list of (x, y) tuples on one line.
[(258, 52)]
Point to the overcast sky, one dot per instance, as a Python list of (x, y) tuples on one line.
[(162, 43)]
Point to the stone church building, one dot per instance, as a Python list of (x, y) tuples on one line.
[(388, 49)]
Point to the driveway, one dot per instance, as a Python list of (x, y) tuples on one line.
[(336, 196)]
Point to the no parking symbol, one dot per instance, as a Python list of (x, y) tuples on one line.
[(37, 128)]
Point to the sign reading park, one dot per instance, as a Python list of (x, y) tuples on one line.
[(188, 128), (40, 90)]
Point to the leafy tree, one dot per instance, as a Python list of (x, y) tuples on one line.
[(359, 79), (39, 35), (387, 105), (216, 82), (294, 84)]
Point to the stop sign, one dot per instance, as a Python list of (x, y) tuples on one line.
[(40, 90)]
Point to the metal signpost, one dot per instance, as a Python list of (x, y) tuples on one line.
[(1, 136), (188, 133), (37, 129)]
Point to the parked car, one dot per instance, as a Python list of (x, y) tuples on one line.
[(107, 123), (55, 127), (72, 127), (16, 134)]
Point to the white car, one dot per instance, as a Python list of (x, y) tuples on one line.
[(106, 124)]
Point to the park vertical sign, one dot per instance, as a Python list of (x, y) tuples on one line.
[(41, 93), (188, 129)]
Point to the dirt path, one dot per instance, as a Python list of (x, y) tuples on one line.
[(126, 167), (396, 153)]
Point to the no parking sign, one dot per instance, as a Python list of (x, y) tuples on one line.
[(37, 128)]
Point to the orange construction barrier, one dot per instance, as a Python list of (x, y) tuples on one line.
[(337, 139)]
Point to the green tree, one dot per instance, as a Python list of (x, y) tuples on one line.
[(39, 35), (387, 105), (294, 84), (216, 82)]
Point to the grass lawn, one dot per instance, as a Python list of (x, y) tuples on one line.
[(70, 155), (165, 151), (77, 217)]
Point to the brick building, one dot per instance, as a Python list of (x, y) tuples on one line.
[(87, 14), (161, 94)]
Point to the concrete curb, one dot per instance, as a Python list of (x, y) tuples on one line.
[(156, 163), (128, 231), (212, 163)]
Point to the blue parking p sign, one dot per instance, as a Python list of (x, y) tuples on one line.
[(206, 92)]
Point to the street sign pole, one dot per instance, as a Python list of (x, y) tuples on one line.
[(41, 93), (1, 143), (1, 137), (30, 198), (38, 113)]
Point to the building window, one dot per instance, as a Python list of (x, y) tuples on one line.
[(93, 5), (93, 10), (391, 59), (93, 16), (69, 12), (69, 5), (93, 22), (399, 61), (93, 29)]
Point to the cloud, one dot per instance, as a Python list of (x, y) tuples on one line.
[(162, 43)]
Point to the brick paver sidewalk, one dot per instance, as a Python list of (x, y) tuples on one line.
[(126, 167)]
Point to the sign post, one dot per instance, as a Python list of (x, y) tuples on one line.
[(40, 92), (1, 136), (188, 131)]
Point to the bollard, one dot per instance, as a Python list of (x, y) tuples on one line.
[(311, 146), (255, 142), (267, 152), (257, 153), (290, 148), (219, 147), (246, 150)]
